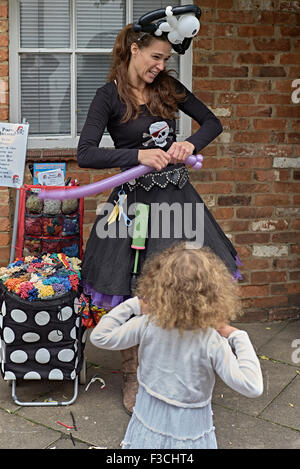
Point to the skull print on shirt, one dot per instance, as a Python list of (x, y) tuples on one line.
[(158, 133)]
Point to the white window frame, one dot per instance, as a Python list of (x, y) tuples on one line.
[(71, 141)]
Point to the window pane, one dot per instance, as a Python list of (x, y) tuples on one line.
[(140, 8), (92, 72), (45, 23), (45, 93), (99, 22)]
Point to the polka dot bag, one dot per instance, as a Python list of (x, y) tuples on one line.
[(41, 339)]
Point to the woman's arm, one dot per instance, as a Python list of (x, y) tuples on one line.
[(118, 330), (89, 155)]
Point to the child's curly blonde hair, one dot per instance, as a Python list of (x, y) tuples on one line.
[(188, 288)]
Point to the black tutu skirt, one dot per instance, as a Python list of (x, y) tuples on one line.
[(175, 215)]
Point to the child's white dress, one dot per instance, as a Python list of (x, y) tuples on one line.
[(156, 424), (176, 376)]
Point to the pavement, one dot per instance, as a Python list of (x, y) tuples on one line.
[(271, 421)]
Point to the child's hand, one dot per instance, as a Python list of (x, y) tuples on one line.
[(226, 330), (143, 306)]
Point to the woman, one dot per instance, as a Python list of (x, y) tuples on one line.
[(138, 106)]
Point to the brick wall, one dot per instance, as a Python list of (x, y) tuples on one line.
[(246, 59)]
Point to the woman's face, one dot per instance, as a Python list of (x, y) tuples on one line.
[(147, 62)]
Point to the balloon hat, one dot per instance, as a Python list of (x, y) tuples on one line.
[(180, 32)]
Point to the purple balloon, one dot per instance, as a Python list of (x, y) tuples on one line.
[(76, 192)]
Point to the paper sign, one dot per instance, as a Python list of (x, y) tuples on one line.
[(13, 142), (49, 174)]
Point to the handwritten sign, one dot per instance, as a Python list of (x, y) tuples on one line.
[(13, 142)]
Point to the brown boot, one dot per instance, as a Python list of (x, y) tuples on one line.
[(130, 384)]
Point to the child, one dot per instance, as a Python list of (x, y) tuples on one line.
[(181, 328)]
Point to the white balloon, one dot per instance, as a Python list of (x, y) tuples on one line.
[(188, 26), (174, 37)]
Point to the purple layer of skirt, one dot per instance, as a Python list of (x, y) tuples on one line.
[(110, 301)]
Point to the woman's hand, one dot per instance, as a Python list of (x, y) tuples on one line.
[(155, 158), (179, 151), (226, 330)]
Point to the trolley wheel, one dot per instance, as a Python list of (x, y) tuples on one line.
[(82, 374)]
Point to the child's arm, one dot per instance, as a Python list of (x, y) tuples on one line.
[(115, 331), (239, 370)]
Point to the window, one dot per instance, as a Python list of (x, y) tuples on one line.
[(60, 54)]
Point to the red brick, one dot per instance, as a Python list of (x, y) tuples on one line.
[(234, 200), (290, 31), (274, 200), (255, 290), (251, 137), (290, 59), (215, 85), (199, 71), (269, 71), (236, 175), (268, 277), (226, 71), (252, 85), (291, 237), (246, 163), (214, 188), (4, 239), (4, 223), (293, 138), (272, 44), (270, 301), (223, 213), (255, 31), (254, 212), (265, 175), (249, 111), (235, 98), (252, 238), (238, 17), (295, 224), (252, 188), (275, 17), (255, 58), (286, 187), (270, 124), (288, 288), (275, 98), (231, 44)]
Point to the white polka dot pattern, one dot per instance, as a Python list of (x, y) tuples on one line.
[(40, 340)]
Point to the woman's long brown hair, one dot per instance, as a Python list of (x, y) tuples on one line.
[(163, 94)]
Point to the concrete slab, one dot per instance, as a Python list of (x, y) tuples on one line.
[(282, 346), (236, 430), (276, 377), (285, 409), (18, 433), (100, 418), (261, 333)]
